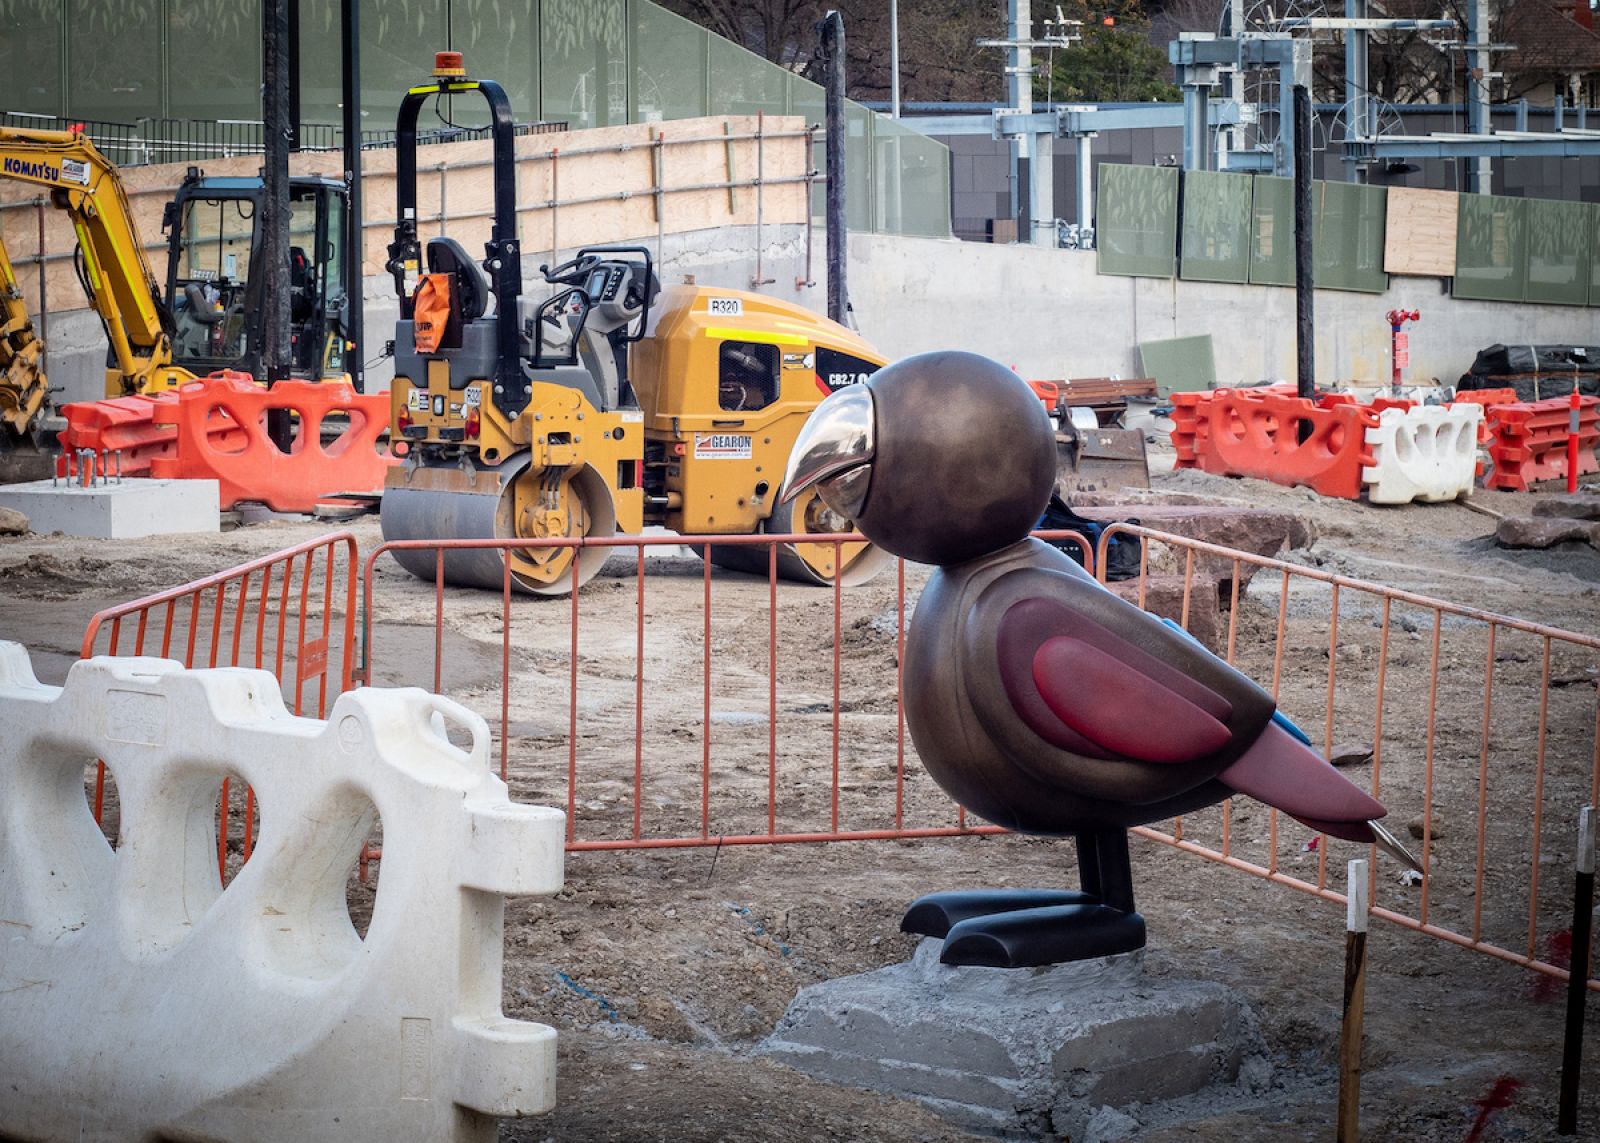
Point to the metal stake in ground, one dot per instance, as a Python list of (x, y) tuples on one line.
[(1355, 993), (1578, 974), (831, 30), (1305, 340)]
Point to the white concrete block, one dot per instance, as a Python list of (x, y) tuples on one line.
[(117, 511), (139, 999)]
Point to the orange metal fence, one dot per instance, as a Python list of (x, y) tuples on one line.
[(763, 716), (1483, 733), (731, 784), (291, 612)]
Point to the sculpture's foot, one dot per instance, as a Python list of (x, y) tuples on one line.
[(936, 913), (1029, 938)]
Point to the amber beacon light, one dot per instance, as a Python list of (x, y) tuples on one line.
[(448, 65)]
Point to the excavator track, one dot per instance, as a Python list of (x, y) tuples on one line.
[(469, 501)]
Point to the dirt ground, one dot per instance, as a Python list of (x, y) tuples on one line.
[(663, 969)]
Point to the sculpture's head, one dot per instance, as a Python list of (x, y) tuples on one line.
[(940, 458)]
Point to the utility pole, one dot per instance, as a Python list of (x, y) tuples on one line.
[(1019, 79), (831, 30), (354, 243), (1305, 339), (894, 57), (275, 357), (1480, 172)]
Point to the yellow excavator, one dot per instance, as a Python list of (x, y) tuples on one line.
[(606, 406), (209, 317)]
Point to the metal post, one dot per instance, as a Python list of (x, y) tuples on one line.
[(831, 30), (275, 357), (1480, 173), (1306, 370), (894, 57), (1019, 84), (1357, 100), (1577, 974), (294, 74), (1085, 182), (1196, 127), (355, 242), (1348, 1128)]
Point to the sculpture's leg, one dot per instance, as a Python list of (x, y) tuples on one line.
[(1021, 928)]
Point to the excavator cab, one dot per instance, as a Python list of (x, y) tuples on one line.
[(214, 275)]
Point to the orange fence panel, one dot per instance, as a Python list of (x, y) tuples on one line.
[(251, 466), (1528, 441), (1257, 432)]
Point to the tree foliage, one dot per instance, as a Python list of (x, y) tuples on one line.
[(1113, 62)]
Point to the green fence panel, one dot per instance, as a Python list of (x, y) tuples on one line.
[(214, 54), (1136, 220), (115, 61), (1594, 255), (1560, 252), (500, 40), (911, 177), (1492, 248), (668, 55), (743, 83), (30, 56), (1272, 231), (583, 47), (1216, 227), (1347, 244)]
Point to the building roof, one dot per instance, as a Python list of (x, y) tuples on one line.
[(1549, 39)]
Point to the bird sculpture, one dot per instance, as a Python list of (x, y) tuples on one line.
[(1036, 697)]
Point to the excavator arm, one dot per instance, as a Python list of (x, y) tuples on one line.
[(22, 384), (111, 261)]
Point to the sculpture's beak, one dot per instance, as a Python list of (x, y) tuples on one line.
[(834, 452), (1390, 844)]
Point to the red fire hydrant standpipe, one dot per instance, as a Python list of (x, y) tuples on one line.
[(1399, 344), (1572, 440)]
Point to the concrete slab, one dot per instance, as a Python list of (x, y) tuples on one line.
[(114, 511), (1071, 1051)]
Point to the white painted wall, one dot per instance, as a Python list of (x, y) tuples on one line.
[(1052, 316)]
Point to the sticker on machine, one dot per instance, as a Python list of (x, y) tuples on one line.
[(75, 171), (722, 446), (473, 396), (417, 401), (725, 307)]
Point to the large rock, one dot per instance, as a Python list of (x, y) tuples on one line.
[(1255, 530), (1572, 505), (1546, 531), (12, 522), (1209, 598)]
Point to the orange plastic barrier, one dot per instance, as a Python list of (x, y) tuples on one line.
[(1256, 432), (1528, 441), (127, 425), (249, 466)]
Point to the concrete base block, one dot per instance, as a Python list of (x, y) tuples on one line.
[(114, 511), (1072, 1050)]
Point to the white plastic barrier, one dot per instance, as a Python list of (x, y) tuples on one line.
[(141, 1000), (1427, 452)]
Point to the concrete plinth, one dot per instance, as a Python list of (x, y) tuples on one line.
[(117, 511), (1050, 1052)]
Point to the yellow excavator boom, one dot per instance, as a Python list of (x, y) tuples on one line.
[(22, 383), (113, 268)]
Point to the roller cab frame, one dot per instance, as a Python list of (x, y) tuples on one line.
[(609, 405)]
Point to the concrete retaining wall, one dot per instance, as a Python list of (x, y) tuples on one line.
[(1045, 311)]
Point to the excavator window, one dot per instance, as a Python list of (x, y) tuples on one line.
[(213, 268), (747, 375)]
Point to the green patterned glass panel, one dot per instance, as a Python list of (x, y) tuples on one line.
[(30, 56), (115, 51), (1347, 244), (742, 83), (398, 42), (583, 74), (215, 51), (1272, 231), (320, 91), (859, 190), (499, 40), (669, 66), (911, 180), (1216, 227), (1594, 255), (1491, 248), (805, 100), (1559, 252), (1136, 220)]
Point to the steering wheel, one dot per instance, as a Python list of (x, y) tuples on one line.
[(574, 272)]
